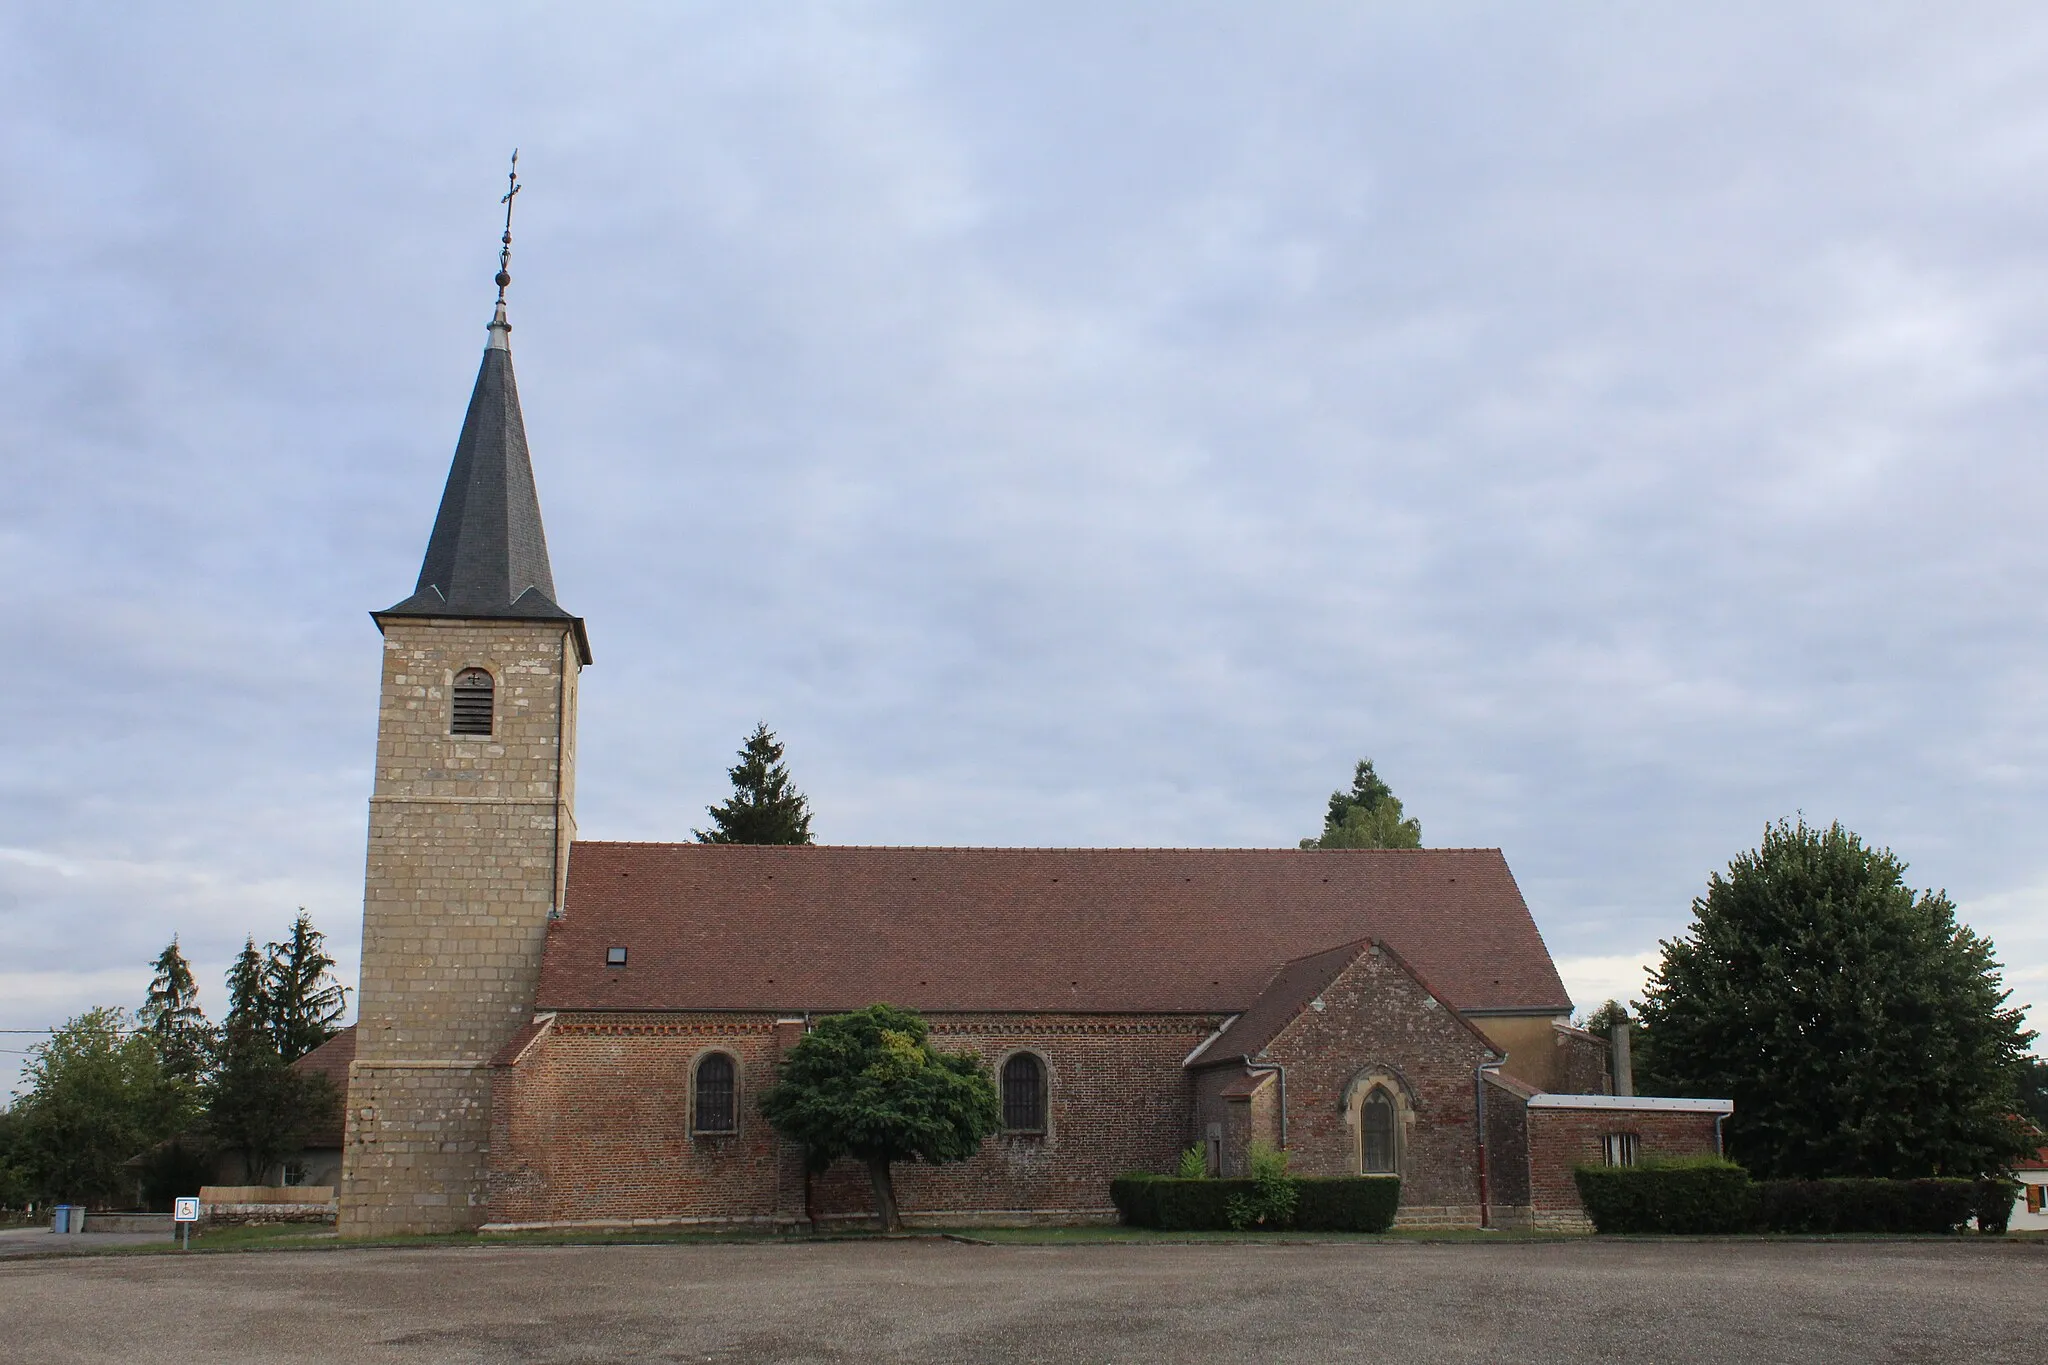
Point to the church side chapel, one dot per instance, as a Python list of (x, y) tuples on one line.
[(555, 1031)]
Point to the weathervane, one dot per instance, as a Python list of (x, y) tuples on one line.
[(505, 252)]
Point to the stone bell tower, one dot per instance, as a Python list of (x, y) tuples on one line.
[(471, 820)]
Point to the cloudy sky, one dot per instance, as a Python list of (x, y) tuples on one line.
[(1065, 424)]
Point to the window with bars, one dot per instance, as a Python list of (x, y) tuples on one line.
[(472, 709), (1024, 1094), (1377, 1150), (713, 1108), (1620, 1149)]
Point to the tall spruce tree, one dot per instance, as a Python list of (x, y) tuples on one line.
[(302, 1002), (255, 1102), (1860, 1030), (173, 1017), (1367, 816), (764, 808)]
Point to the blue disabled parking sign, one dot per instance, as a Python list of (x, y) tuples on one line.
[(184, 1213)]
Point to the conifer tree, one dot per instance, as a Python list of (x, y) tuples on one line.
[(1367, 816), (1860, 1030), (255, 1102), (764, 808), (302, 1002), (248, 1011), (173, 1017)]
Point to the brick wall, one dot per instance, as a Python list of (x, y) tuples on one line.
[(1507, 1154), (1562, 1139), (1584, 1063), (468, 839), (592, 1123), (1377, 1019)]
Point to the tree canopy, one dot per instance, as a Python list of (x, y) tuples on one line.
[(97, 1094), (765, 808), (302, 1003), (1367, 816), (1860, 1030), (255, 1102), (172, 1015), (869, 1085)]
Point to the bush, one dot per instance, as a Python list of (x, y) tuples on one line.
[(1701, 1195), (1993, 1203), (1272, 1198), (1860, 1205), (1336, 1204), (1363, 1203)]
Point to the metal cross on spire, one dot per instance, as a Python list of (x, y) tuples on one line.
[(505, 251)]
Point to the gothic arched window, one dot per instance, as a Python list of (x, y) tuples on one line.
[(712, 1107), (1377, 1126), (472, 709), (1024, 1094)]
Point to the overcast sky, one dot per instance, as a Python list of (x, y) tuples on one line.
[(1065, 424)]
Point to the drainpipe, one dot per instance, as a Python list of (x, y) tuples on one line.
[(1479, 1134), (1281, 1072), (1720, 1147)]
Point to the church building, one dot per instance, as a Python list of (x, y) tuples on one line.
[(558, 1032)]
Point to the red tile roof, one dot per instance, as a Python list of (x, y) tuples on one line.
[(331, 1060), (722, 926)]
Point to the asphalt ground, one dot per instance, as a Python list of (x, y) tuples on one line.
[(1639, 1302)]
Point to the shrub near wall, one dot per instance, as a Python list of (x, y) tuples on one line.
[(1821, 1206), (1347, 1203), (1337, 1204), (1702, 1195), (1710, 1196)]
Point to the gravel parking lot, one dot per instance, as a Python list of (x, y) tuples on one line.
[(1641, 1302)]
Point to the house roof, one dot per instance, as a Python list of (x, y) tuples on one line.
[(331, 1060), (1286, 995), (726, 926), (1293, 987), (487, 557)]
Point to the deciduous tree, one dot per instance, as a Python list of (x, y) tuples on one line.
[(1860, 1030), (97, 1095), (869, 1085)]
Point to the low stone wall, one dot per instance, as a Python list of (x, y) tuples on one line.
[(238, 1205), (96, 1221)]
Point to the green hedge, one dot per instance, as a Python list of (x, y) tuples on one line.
[(1821, 1206), (1680, 1196), (1358, 1203), (1710, 1196), (1334, 1204)]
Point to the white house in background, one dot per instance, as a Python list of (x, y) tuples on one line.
[(2030, 1210)]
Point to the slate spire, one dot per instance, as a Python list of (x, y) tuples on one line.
[(488, 556)]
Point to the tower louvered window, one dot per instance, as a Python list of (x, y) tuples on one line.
[(715, 1111), (1024, 1094), (473, 703)]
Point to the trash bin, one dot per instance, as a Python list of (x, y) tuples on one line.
[(77, 1218), (60, 1218)]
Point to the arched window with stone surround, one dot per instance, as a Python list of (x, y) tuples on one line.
[(1379, 1134), (471, 711), (713, 1098), (1024, 1094)]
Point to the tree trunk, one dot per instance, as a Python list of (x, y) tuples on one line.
[(884, 1183)]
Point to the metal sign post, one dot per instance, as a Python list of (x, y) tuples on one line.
[(185, 1212)]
